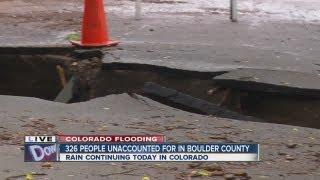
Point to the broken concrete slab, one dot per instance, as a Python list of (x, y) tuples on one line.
[(204, 57), (34, 49), (273, 81), (193, 103), (66, 95)]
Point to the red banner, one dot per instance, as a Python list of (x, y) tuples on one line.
[(111, 138)]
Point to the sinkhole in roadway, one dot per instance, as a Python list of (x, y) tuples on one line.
[(24, 72), (36, 74)]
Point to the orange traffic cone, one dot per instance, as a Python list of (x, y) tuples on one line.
[(95, 26)]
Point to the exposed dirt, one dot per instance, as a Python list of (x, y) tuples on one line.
[(37, 76), (31, 75)]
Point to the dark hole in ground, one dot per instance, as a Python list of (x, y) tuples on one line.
[(271, 107), (31, 75), (37, 76)]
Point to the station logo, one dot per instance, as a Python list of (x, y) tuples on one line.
[(40, 152)]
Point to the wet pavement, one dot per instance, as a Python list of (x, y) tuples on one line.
[(201, 41), (122, 114)]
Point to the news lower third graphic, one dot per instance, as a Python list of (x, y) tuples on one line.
[(125, 148), (40, 149)]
